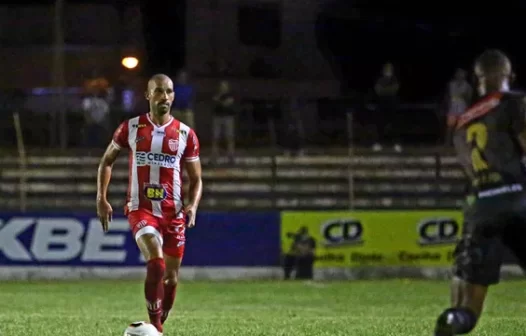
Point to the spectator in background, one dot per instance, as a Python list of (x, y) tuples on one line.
[(460, 94), (291, 130), (386, 94), (301, 255), (96, 116), (223, 122), (183, 101)]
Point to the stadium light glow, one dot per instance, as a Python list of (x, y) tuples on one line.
[(130, 62)]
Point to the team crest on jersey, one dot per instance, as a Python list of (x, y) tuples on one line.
[(173, 144)]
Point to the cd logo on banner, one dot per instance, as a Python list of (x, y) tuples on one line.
[(437, 231), (341, 232)]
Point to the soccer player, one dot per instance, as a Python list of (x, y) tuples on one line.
[(158, 147), (490, 139)]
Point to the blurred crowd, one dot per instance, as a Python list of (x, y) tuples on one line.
[(382, 120)]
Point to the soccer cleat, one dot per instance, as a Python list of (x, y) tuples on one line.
[(445, 326)]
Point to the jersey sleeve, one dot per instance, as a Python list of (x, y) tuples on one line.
[(191, 152), (120, 137)]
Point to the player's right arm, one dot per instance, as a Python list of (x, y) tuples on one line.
[(119, 141)]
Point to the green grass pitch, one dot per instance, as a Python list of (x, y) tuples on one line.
[(361, 308)]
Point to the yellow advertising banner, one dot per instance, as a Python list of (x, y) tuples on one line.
[(375, 238)]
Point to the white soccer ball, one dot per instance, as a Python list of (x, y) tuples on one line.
[(141, 328)]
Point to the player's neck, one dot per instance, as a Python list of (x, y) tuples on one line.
[(159, 120), (504, 87)]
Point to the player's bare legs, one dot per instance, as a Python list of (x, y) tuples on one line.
[(464, 294), (467, 301), (151, 248), (171, 277)]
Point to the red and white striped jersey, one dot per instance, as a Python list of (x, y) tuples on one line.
[(156, 154)]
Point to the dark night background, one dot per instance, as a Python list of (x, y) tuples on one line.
[(425, 40)]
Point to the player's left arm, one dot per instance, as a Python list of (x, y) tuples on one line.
[(193, 169), (192, 165), (519, 123)]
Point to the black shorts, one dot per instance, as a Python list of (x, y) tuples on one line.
[(491, 226)]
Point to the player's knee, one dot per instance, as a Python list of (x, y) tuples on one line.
[(150, 246), (171, 279), (171, 275)]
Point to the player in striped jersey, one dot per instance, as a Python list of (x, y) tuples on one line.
[(159, 148)]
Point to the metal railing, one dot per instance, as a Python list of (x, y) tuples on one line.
[(319, 180), (318, 122), (356, 177)]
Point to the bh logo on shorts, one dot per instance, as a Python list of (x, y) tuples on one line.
[(437, 231), (340, 232)]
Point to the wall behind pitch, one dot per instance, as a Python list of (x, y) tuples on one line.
[(234, 239), (76, 240), (379, 239)]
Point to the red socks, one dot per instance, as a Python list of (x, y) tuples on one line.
[(168, 301), (154, 291), (160, 295)]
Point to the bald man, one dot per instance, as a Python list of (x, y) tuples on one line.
[(159, 148)]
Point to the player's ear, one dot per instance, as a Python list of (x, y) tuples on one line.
[(147, 95)]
